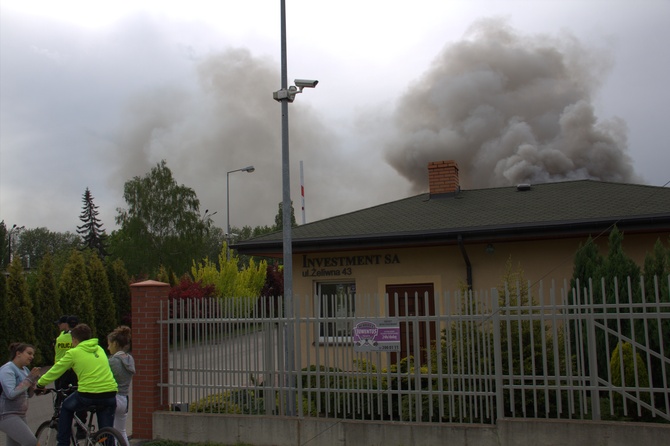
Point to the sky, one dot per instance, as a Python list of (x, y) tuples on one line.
[(95, 93)]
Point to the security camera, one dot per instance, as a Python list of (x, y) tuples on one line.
[(305, 83), (290, 92)]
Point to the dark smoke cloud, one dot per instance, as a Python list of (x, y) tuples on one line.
[(510, 109)]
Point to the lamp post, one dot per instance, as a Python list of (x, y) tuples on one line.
[(13, 229), (285, 95), (247, 169)]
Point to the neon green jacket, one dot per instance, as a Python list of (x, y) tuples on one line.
[(63, 344), (90, 363)]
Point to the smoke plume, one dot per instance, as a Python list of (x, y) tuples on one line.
[(510, 109), (229, 121)]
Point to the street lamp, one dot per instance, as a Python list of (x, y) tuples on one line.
[(13, 229), (247, 169), (285, 95)]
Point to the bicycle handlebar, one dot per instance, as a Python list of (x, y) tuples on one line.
[(64, 391)]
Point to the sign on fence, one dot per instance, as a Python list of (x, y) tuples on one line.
[(377, 335)]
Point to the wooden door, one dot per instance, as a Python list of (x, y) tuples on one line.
[(413, 301)]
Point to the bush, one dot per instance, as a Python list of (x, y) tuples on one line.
[(242, 401)]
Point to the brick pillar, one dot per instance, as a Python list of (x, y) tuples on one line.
[(443, 177), (148, 397)]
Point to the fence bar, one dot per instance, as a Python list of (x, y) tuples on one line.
[(490, 355)]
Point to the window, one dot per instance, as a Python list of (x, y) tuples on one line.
[(338, 301)]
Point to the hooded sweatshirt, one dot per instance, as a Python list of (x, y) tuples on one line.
[(90, 363), (123, 369)]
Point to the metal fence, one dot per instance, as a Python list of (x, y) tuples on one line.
[(524, 351)]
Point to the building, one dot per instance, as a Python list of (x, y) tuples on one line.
[(449, 238)]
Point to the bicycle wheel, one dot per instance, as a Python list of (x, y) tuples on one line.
[(108, 436), (46, 435)]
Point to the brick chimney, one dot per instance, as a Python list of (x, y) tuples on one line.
[(442, 177)]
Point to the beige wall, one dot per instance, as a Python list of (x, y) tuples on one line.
[(444, 267)]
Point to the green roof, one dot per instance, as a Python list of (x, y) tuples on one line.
[(550, 209)]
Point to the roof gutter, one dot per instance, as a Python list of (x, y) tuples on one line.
[(468, 265)]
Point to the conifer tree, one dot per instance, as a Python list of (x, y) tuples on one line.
[(47, 309), (74, 290), (279, 218), (612, 270), (119, 285), (4, 246), (522, 346), (92, 233), (619, 266), (656, 272), (588, 266), (4, 334), (103, 303), (20, 319)]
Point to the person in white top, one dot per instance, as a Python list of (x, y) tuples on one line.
[(123, 369)]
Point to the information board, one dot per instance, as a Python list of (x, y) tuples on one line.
[(376, 335)]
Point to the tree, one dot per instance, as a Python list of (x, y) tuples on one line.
[(588, 264), (4, 244), (161, 225), (612, 272), (92, 233), (522, 341), (119, 285), (19, 306), (34, 244), (625, 367), (47, 309), (241, 286), (8, 242), (103, 301), (279, 218), (618, 268), (213, 241), (75, 290), (4, 322), (656, 268), (656, 271)]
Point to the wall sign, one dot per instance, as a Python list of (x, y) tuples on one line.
[(342, 265), (377, 335)]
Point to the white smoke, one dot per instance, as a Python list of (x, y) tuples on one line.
[(510, 109)]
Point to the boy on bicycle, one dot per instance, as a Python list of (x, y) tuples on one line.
[(97, 386)]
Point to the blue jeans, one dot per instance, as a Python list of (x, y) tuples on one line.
[(76, 403)]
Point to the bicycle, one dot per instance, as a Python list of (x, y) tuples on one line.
[(47, 431)]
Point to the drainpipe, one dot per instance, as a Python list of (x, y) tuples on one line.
[(468, 266)]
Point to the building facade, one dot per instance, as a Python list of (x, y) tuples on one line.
[(451, 239)]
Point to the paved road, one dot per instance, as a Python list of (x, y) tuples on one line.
[(41, 409)]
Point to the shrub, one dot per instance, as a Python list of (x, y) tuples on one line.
[(242, 401)]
